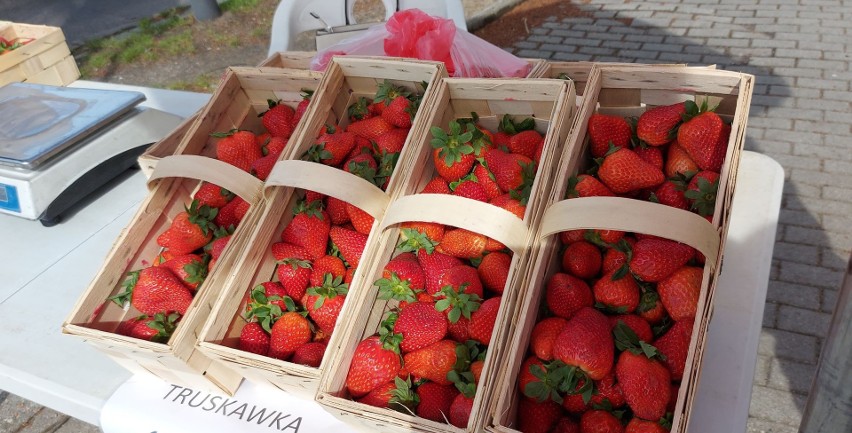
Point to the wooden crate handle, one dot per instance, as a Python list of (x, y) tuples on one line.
[(210, 170)]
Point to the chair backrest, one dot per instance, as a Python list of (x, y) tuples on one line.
[(293, 17)]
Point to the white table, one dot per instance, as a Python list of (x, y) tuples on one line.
[(46, 269)]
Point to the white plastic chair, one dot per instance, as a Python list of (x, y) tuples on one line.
[(293, 17)]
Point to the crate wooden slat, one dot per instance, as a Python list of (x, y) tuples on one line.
[(552, 103), (46, 59), (344, 80), (289, 59), (630, 91)]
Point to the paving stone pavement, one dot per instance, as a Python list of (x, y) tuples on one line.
[(801, 115)]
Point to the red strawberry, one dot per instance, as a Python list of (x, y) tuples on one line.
[(309, 354), (455, 151), (294, 268), (511, 171), (646, 384), (349, 242), (468, 188), (607, 130), (543, 336), (637, 324), (651, 308), (462, 243), (674, 345), (537, 417), (254, 339), (582, 259), (701, 136), (230, 215), (380, 396), (392, 141), (215, 250), (359, 110), (238, 148), (485, 177), (158, 290), (362, 165), (482, 321), (679, 292), (212, 195), (420, 325), (654, 259), (372, 365), (332, 148), (651, 155), (434, 265), (460, 277), (618, 294), (624, 171), (678, 161), (493, 271), (566, 425), (511, 204), (607, 389), (701, 192), (438, 185), (566, 294), (302, 107), (584, 185), (586, 342), (371, 128), (432, 362), (190, 268), (157, 328), (336, 209), (671, 193), (189, 230), (638, 425), (362, 146), (326, 265), (309, 229), (406, 267), (362, 221), (525, 143), (657, 125), (278, 119), (460, 410), (435, 401), (262, 167), (290, 331), (600, 421), (324, 302), (399, 112)]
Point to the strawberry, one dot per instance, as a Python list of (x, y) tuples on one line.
[(386, 93), (657, 126), (331, 148), (511, 171), (624, 171), (371, 128), (586, 342), (189, 230), (617, 294), (302, 106), (362, 221), (600, 421), (582, 260), (157, 290), (493, 271), (566, 425), (460, 410), (654, 259), (190, 268), (294, 268), (254, 339), (639, 425), (646, 384), (584, 185), (486, 178), (438, 185), (543, 336), (157, 328), (262, 167), (651, 155), (701, 192), (336, 209), (212, 195), (651, 308), (290, 331), (406, 267), (607, 390), (373, 363), (326, 265), (362, 165), (533, 380), (701, 136), (215, 250), (417, 235), (435, 400), (671, 193), (637, 324), (432, 362), (309, 229), (238, 148), (537, 417), (462, 243), (350, 243), (324, 302), (525, 143), (420, 325), (460, 277), (278, 119), (680, 291), (399, 112), (674, 346), (380, 396), (230, 215), (566, 294), (309, 354), (359, 109), (454, 152), (468, 187), (678, 161), (392, 141), (482, 321), (362, 146), (605, 130), (434, 265)]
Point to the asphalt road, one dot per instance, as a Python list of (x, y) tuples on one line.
[(82, 20)]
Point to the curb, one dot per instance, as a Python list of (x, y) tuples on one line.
[(489, 13)]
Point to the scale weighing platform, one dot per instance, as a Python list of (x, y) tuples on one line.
[(60, 144)]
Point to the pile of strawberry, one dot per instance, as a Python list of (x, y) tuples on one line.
[(292, 317), (7, 45), (193, 242), (672, 156), (609, 350)]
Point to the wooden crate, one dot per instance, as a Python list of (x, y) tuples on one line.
[(346, 79), (46, 59), (630, 91), (578, 72), (290, 60), (236, 104), (551, 102), (246, 86)]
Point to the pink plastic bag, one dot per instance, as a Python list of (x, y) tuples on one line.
[(412, 33)]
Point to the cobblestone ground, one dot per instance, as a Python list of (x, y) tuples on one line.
[(801, 115)]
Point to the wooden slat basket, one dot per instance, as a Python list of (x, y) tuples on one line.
[(44, 59), (236, 104), (551, 103), (346, 79), (629, 91)]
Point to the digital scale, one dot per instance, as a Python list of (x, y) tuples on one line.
[(60, 144)]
